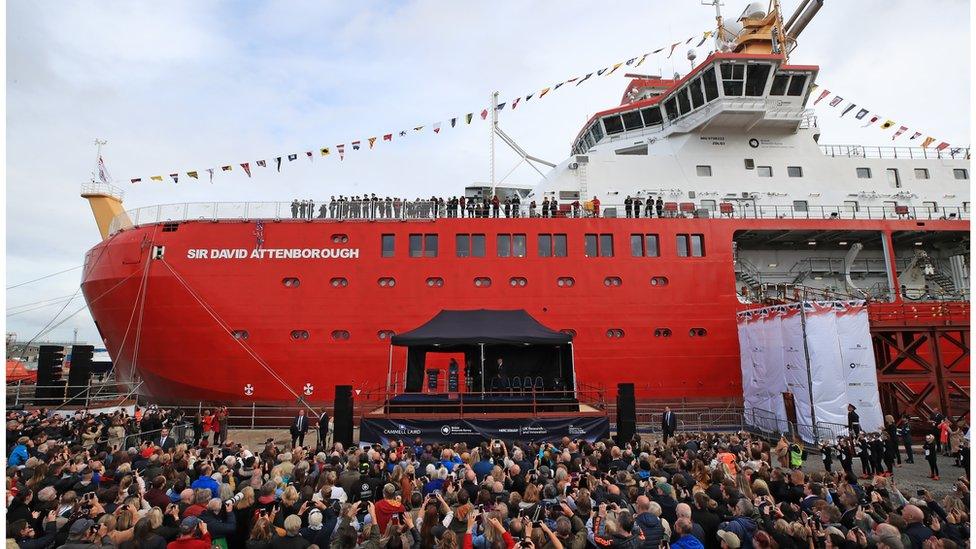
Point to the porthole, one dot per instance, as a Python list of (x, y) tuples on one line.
[(339, 282), (569, 331), (662, 332), (299, 335), (340, 238), (435, 282), (291, 282), (385, 334), (517, 282), (482, 282), (386, 282), (659, 281), (565, 281), (697, 332), (340, 335), (240, 334), (612, 281), (615, 333)]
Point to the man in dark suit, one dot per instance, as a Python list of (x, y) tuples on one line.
[(299, 426), (166, 442), (669, 423), (323, 429)]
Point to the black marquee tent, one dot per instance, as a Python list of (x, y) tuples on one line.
[(527, 348)]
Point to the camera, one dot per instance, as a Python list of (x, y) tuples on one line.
[(233, 501)]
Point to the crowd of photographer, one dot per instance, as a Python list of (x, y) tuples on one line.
[(71, 484)]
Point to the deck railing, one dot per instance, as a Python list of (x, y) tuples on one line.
[(426, 211), (889, 153)]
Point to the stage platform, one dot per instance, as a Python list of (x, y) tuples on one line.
[(480, 403)]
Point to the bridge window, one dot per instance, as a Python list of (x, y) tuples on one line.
[(864, 173), (684, 104), (796, 84), (780, 83), (960, 173), (652, 116), (711, 86), (632, 120), (733, 79), (671, 107), (511, 245), (921, 173), (697, 98), (597, 131), (644, 245), (756, 78), (691, 245), (470, 245), (703, 171), (388, 242), (794, 171), (613, 124), (764, 171)]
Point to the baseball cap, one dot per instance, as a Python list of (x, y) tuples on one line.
[(188, 525), (80, 526), (729, 538)]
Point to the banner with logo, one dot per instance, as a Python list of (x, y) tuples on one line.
[(857, 357), (474, 431)]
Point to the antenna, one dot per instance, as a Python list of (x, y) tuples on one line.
[(691, 57), (718, 21), (98, 155)]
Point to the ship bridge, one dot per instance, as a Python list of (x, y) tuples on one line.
[(738, 91)]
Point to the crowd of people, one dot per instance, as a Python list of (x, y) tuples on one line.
[(73, 482), (377, 207)]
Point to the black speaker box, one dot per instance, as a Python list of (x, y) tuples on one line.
[(80, 373), (626, 413), (342, 417)]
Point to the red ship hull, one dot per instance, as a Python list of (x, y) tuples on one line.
[(174, 335)]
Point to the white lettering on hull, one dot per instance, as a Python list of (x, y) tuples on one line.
[(273, 253)]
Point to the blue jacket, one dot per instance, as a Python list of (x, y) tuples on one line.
[(687, 541), (208, 483), (18, 456), (483, 468), (744, 527)]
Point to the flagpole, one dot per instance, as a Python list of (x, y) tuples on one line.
[(494, 127)]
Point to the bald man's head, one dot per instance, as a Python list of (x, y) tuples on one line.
[(912, 514), (643, 504), (683, 510)]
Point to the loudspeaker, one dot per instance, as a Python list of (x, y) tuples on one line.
[(80, 373), (342, 416), (50, 386), (626, 413)]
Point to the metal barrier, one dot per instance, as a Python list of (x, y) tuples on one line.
[(182, 432), (93, 394), (912, 153)]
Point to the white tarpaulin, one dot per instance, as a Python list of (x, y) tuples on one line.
[(786, 347)]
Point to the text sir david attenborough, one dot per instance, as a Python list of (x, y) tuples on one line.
[(273, 253)]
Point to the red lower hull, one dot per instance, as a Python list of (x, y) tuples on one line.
[(171, 336)]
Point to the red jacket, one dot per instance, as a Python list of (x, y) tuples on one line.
[(466, 544), (191, 543), (385, 510)]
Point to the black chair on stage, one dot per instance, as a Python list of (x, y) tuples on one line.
[(539, 385), (527, 384), (517, 385)]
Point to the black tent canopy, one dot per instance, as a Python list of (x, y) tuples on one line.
[(528, 348)]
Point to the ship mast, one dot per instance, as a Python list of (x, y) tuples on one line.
[(98, 156)]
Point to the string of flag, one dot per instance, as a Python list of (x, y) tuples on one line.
[(330, 151), (870, 118)]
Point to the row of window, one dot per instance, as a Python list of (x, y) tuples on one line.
[(894, 178), (547, 245), (481, 282), (761, 171), (343, 335)]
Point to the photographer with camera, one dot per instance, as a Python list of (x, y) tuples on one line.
[(193, 535)]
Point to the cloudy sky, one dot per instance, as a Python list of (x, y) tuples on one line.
[(177, 86)]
